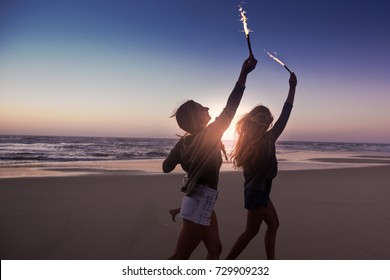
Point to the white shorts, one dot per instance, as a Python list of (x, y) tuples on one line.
[(199, 206)]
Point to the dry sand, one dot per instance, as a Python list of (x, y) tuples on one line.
[(324, 214)]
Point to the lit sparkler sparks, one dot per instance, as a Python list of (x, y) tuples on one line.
[(278, 61), (246, 29)]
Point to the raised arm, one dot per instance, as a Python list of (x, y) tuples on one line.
[(223, 121), (235, 97), (280, 124), (291, 92), (247, 67)]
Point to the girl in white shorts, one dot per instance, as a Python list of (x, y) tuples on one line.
[(199, 154), (199, 206)]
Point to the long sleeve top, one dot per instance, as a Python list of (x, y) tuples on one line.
[(267, 166), (200, 154)]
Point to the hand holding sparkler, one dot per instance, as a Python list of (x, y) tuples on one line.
[(293, 80), (248, 66), (291, 92)]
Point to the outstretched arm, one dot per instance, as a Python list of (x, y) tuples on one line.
[(235, 97), (291, 92), (223, 121), (280, 124)]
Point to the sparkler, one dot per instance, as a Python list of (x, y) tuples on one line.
[(278, 61), (246, 29)]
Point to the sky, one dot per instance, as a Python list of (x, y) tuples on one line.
[(120, 68)]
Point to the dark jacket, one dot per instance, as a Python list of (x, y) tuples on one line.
[(200, 154), (267, 166)]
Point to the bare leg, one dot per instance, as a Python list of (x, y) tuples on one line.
[(189, 238), (211, 240), (253, 222), (173, 213), (272, 221)]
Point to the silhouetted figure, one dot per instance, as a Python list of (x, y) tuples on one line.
[(174, 211), (199, 154), (255, 154)]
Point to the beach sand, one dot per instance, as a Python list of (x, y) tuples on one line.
[(94, 213)]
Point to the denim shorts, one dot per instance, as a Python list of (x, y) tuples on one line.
[(199, 206)]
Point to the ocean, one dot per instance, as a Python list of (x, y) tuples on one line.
[(20, 150)]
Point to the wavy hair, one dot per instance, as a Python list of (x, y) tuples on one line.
[(250, 130)]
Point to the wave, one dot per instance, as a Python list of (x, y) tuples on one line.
[(32, 149)]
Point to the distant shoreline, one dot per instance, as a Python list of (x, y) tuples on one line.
[(27, 151), (287, 161), (176, 138), (35, 156)]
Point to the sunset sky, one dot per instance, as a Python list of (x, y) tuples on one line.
[(119, 68)]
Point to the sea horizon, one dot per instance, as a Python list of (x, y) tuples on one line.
[(176, 137), (30, 149)]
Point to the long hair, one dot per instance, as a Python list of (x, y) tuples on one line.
[(250, 130)]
